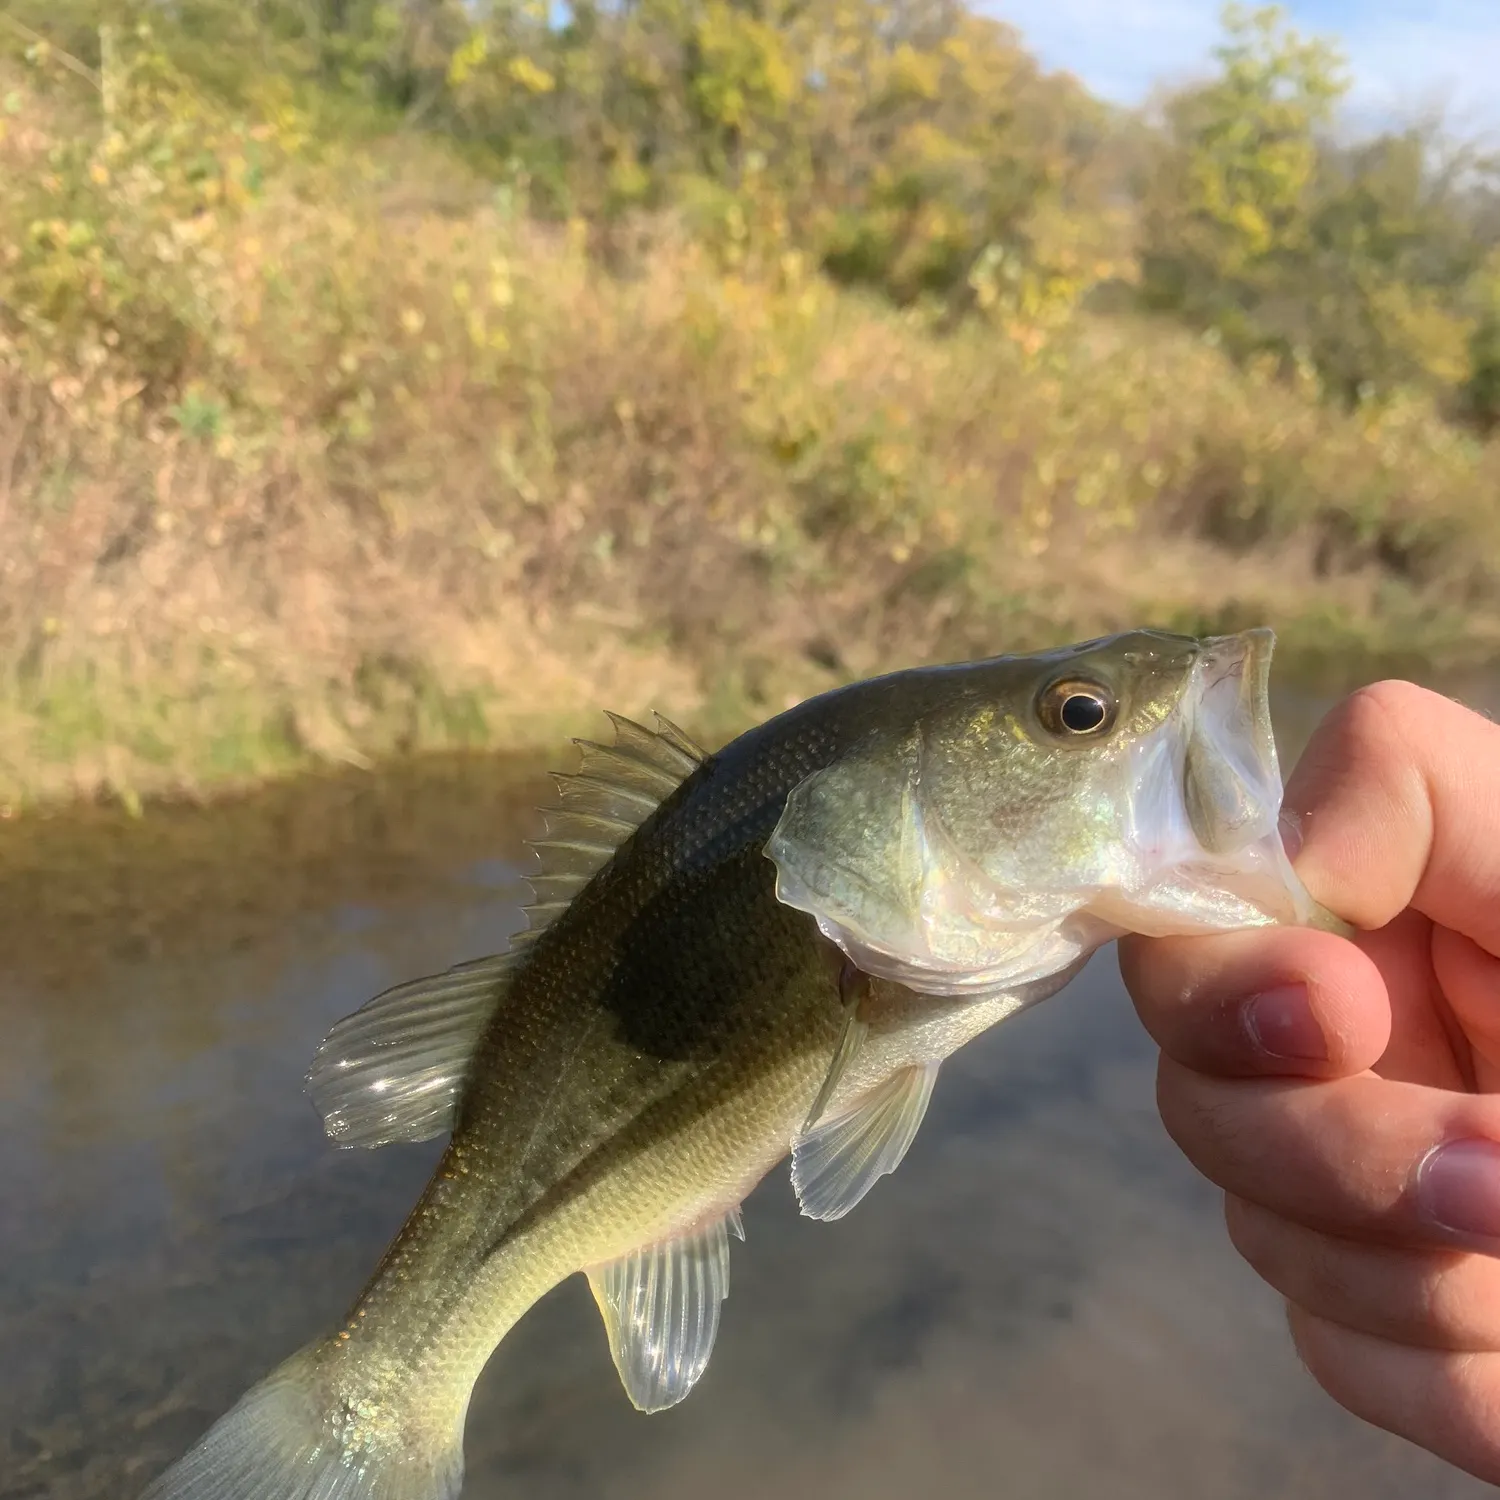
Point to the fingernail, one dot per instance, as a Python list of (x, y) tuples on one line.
[(1282, 1025), (1458, 1188)]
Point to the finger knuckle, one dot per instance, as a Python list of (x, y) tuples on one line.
[(1365, 717), (1391, 698), (1309, 1268), (1460, 1410), (1256, 1236), (1456, 1298), (1211, 1130), (1317, 1351), (1186, 1116)]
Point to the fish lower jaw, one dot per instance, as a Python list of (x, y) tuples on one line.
[(1014, 961), (1257, 888)]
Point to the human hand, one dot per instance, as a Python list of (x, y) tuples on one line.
[(1346, 1095)]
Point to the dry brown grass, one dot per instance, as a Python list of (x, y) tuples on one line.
[(357, 464)]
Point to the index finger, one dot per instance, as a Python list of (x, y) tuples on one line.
[(1397, 800)]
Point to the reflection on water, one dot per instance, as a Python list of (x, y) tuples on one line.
[(1041, 1303)]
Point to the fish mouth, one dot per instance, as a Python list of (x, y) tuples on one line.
[(1231, 776), (1208, 807)]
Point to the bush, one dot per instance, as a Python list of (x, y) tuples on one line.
[(314, 444)]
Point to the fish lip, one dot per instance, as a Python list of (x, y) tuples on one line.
[(1232, 779), (1244, 657), (1229, 780)]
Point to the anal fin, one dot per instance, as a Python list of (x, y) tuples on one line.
[(838, 1161), (660, 1306)]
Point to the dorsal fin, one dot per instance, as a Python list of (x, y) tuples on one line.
[(614, 790), (393, 1071)]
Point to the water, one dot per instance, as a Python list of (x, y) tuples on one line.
[(1041, 1303)]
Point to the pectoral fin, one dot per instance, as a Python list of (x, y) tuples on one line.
[(835, 1164), (660, 1306), (854, 988)]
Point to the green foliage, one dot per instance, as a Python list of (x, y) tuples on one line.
[(1363, 262), (907, 145), (1482, 389), (1386, 278), (1231, 198), (366, 367), (897, 141), (1247, 147)]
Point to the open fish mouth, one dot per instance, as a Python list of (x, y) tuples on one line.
[(1231, 776), (1230, 790)]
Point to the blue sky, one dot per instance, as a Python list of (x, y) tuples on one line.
[(1404, 55)]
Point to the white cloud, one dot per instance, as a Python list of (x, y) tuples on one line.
[(1406, 64), (1120, 48)]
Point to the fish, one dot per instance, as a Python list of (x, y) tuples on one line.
[(736, 958)]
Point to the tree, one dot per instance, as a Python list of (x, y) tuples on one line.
[(1231, 192)]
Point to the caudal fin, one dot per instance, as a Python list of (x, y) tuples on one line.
[(282, 1442)]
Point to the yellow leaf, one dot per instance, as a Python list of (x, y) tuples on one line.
[(468, 58), (532, 78)]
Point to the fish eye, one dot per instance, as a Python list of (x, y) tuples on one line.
[(1075, 709)]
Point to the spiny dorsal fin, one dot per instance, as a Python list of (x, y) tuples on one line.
[(614, 790)]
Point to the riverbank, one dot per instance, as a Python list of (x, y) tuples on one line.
[(428, 476)]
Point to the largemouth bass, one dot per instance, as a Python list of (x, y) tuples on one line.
[(733, 958)]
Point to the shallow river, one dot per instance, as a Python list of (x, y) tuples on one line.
[(1040, 1303)]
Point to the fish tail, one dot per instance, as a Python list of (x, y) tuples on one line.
[(298, 1436)]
